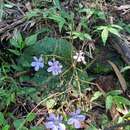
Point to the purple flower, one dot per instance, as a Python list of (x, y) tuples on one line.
[(55, 67), (76, 118), (55, 122), (37, 63)]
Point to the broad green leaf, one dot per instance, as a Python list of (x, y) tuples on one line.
[(17, 40), (101, 28), (81, 36), (87, 36), (31, 40), (6, 127), (121, 100), (14, 43), (101, 15), (114, 92), (47, 46), (114, 31), (30, 117), (109, 101), (104, 35), (116, 26), (19, 123)]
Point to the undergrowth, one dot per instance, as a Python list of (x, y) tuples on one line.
[(58, 69)]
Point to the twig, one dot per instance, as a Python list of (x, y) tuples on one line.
[(12, 26)]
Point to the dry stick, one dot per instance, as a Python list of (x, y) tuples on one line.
[(18, 74), (12, 26), (114, 127)]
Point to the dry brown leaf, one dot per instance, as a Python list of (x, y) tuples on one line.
[(119, 75)]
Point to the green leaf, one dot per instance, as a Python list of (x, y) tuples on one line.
[(2, 119), (101, 15), (59, 19), (121, 100), (23, 128), (109, 101), (50, 103), (116, 26), (6, 127), (33, 13), (47, 46), (125, 68), (38, 128), (91, 127), (30, 117), (114, 31), (17, 40), (81, 36), (96, 95), (87, 36), (16, 52), (104, 35), (19, 123), (101, 28), (57, 4), (31, 40), (1, 10), (114, 92)]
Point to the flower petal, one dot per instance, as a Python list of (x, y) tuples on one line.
[(49, 69), (51, 117), (71, 121), (80, 117), (79, 59), (60, 66), (36, 68), (55, 72), (60, 118), (61, 126), (55, 127), (41, 65), (50, 63), (75, 57), (40, 59), (33, 64), (35, 58), (77, 124), (49, 125), (77, 111), (56, 62)]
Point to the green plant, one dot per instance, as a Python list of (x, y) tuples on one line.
[(105, 30), (114, 97)]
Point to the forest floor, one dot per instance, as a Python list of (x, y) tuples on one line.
[(64, 65)]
